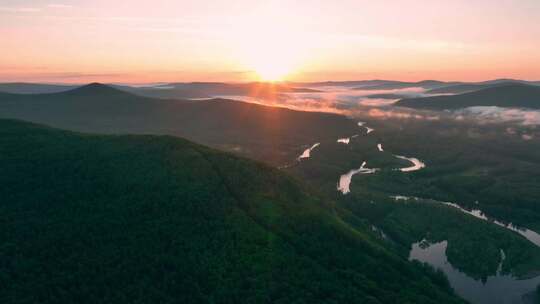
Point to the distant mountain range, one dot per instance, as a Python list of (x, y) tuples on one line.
[(213, 89), (440, 87), (375, 84), (500, 95), (249, 129), (470, 87), (198, 90), (34, 88), (395, 85), (172, 90), (388, 96)]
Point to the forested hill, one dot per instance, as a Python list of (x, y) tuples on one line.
[(510, 96), (148, 219), (275, 135)]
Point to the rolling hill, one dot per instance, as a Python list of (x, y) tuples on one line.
[(470, 87), (394, 85), (212, 89), (512, 95), (373, 84), (33, 88), (274, 135), (149, 219), (170, 90)]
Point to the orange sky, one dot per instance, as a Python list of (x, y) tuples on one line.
[(163, 41)]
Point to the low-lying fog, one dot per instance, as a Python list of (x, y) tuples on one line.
[(380, 104)]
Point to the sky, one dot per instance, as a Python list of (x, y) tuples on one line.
[(164, 40)]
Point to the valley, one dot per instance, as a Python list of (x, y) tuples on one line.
[(269, 152), (387, 177)]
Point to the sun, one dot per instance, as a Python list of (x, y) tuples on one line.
[(269, 46), (270, 56), (271, 61), (271, 71)]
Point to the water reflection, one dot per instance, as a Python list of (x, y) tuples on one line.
[(497, 289)]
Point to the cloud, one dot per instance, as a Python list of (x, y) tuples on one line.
[(295, 103), (60, 6), (377, 102), (388, 42), (19, 9), (355, 103), (402, 114), (85, 75), (344, 101), (26, 10)]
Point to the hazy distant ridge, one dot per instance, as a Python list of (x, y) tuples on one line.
[(510, 95)]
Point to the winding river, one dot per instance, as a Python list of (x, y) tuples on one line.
[(497, 289), (368, 129), (530, 235), (345, 179), (307, 152), (417, 164), (346, 140)]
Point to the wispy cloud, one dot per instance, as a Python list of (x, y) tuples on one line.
[(402, 114), (387, 42), (33, 9), (59, 5), (377, 102), (19, 9)]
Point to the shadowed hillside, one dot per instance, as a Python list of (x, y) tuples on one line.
[(275, 135), (171, 90), (211, 89)]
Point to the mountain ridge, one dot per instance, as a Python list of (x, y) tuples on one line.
[(251, 129), (470, 87), (507, 95)]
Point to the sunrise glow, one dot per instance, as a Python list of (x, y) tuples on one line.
[(142, 41)]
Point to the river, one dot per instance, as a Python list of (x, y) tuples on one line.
[(345, 179), (497, 289)]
